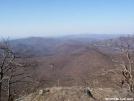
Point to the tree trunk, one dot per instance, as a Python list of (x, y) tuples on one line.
[(10, 95), (0, 91), (131, 89), (1, 76)]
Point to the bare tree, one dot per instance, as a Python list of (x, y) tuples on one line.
[(123, 48), (15, 64)]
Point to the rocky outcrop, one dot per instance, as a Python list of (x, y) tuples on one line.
[(77, 94)]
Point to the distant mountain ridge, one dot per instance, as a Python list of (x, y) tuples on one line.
[(49, 45), (93, 36)]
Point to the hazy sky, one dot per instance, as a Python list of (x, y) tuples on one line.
[(23, 18)]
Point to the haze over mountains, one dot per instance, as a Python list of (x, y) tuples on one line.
[(56, 45)]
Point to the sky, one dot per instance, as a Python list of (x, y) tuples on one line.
[(25, 18)]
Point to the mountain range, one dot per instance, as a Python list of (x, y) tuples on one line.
[(71, 61)]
